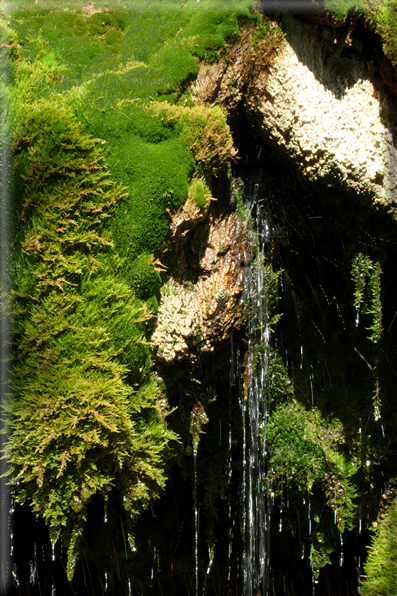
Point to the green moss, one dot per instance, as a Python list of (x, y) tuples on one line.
[(380, 15), (363, 268), (385, 17), (143, 277), (81, 333), (98, 174), (200, 193), (157, 177), (380, 568), (307, 455), (205, 133), (175, 65), (341, 8)]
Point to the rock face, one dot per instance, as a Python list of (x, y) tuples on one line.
[(322, 102), (331, 113), (196, 316)]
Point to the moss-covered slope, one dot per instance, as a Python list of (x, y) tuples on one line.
[(99, 167)]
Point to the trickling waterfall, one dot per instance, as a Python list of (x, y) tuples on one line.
[(259, 287)]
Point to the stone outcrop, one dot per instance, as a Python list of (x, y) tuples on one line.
[(195, 317), (319, 100)]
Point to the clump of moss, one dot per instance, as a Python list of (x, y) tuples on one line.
[(380, 568), (77, 424), (365, 273), (145, 280), (200, 193), (366, 276), (205, 132), (306, 454), (385, 17), (380, 15), (341, 8)]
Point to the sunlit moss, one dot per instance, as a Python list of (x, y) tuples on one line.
[(306, 458), (380, 569), (381, 15), (97, 177)]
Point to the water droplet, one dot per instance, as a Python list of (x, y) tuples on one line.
[(15, 576), (341, 558), (32, 572)]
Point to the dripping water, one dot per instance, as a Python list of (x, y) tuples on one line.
[(15, 576), (254, 406), (234, 370), (105, 513), (196, 524), (341, 559)]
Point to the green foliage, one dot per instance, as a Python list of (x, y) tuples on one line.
[(157, 175), (306, 449), (144, 279), (381, 565), (97, 176), (380, 15), (212, 26), (341, 8), (151, 56), (205, 132), (200, 193), (306, 452), (76, 426), (362, 268), (261, 274), (386, 23), (164, 35)]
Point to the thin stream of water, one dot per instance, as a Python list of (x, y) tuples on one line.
[(196, 526), (254, 406)]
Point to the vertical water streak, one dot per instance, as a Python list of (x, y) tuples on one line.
[(230, 462), (254, 405), (196, 524)]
